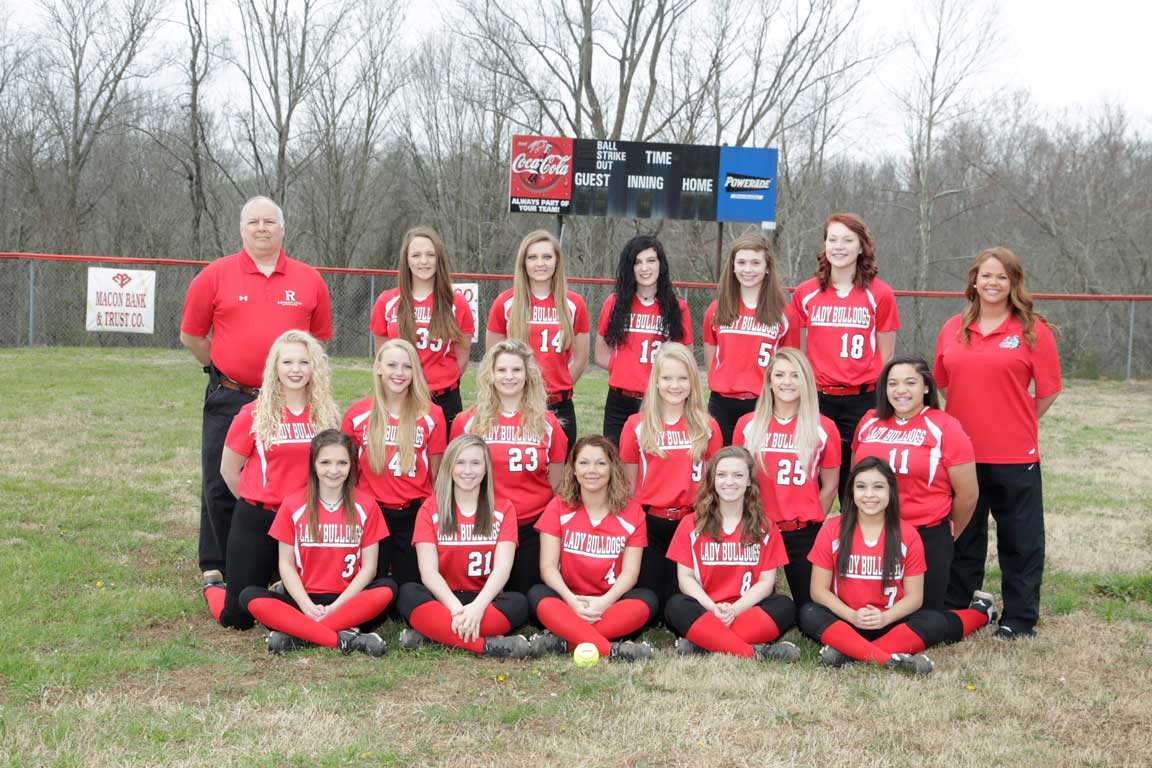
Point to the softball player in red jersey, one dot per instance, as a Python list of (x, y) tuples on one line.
[(868, 583), (848, 323), (726, 556), (933, 461), (425, 311), (642, 313), (526, 442), (664, 448), (743, 328), (466, 541), (797, 456), (986, 359), (399, 434), (265, 459), (591, 539), (329, 537), (553, 321)]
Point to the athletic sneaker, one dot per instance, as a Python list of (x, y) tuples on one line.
[(547, 644), (915, 663), (781, 651), (506, 647), (370, 643), (985, 604), (830, 657), (1005, 632), (282, 642), (686, 647), (211, 578), (278, 588), (410, 639), (627, 650)]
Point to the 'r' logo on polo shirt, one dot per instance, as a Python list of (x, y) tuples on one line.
[(243, 298)]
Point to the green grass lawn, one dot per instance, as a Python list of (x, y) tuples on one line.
[(107, 656)]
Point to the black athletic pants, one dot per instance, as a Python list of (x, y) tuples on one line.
[(617, 409), (397, 555), (798, 571), (216, 501), (937, 540), (727, 411), (252, 560), (513, 605), (565, 412), (846, 411), (683, 611), (526, 565), (451, 404), (1013, 493), (657, 572), (931, 626)]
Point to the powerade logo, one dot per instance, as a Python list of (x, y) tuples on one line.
[(735, 183)]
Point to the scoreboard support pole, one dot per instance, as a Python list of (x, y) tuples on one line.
[(719, 249), (560, 230)]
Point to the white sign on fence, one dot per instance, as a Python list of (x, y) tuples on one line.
[(471, 294), (122, 300)]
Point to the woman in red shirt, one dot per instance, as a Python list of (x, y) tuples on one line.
[(997, 363), (726, 556), (424, 311), (591, 538), (933, 461), (868, 583), (328, 539), (848, 324), (526, 442), (641, 314), (553, 321), (744, 327), (664, 448), (466, 540), (797, 452), (265, 459), (399, 435)]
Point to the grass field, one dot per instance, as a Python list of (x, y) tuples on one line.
[(108, 657)]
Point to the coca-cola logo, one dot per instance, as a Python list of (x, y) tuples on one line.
[(541, 165)]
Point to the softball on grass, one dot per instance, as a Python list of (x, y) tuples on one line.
[(585, 655)]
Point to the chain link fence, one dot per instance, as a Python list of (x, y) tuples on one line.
[(46, 299)]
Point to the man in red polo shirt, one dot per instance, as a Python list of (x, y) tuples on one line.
[(245, 301)]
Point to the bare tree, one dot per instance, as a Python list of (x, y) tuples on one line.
[(86, 58)]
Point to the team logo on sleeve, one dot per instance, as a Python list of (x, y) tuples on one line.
[(1010, 342)]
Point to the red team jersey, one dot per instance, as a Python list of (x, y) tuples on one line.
[(520, 459), (437, 356), (246, 310), (544, 335), (919, 452), (1003, 428), (327, 566), (591, 556), (670, 481), (725, 568), (863, 584), (393, 486), (465, 559), (842, 345), (790, 492), (631, 363), (272, 472), (744, 347)]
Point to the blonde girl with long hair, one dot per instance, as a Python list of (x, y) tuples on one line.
[(328, 538), (553, 321), (525, 439), (664, 448), (265, 458), (591, 539), (466, 541), (400, 434), (746, 325), (726, 555), (424, 310), (797, 454)]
